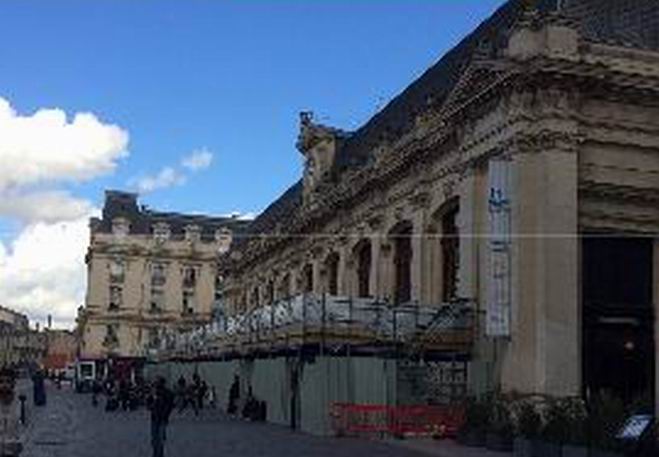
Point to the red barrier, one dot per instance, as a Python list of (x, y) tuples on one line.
[(440, 421)]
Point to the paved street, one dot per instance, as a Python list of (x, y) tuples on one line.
[(69, 426)]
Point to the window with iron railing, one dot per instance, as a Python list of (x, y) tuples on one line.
[(189, 277), (111, 336), (188, 303), (157, 303), (117, 271), (158, 274)]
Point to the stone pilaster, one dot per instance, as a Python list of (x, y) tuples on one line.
[(543, 354), (467, 228)]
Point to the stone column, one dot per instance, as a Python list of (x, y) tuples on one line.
[(467, 228), (419, 203), (316, 266), (418, 254), (543, 354), (373, 288), (343, 271)]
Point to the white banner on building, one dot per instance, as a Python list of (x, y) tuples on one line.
[(499, 276)]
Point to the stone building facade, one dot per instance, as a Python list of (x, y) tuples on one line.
[(148, 272), (520, 173), (19, 344), (61, 349)]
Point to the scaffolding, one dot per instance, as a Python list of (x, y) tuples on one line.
[(327, 324)]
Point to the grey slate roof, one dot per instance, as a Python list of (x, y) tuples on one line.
[(624, 22), (142, 220)]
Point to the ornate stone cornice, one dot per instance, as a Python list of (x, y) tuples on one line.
[(533, 89)]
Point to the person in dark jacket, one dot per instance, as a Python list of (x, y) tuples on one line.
[(38, 388), (161, 404), (234, 396)]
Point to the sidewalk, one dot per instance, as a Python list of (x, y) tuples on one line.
[(445, 448), (50, 428)]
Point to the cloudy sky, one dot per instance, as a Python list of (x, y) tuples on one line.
[(192, 104)]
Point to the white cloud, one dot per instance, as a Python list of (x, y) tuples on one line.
[(48, 147), (43, 272), (47, 206), (167, 177), (197, 160), (241, 216)]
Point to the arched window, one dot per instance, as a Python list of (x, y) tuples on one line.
[(363, 256), (401, 236), (270, 291), (307, 278), (255, 297), (450, 252), (332, 272)]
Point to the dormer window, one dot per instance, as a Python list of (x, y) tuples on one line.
[(120, 226), (223, 239), (318, 144), (161, 232), (192, 233)]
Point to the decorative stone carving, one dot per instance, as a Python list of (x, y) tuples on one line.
[(448, 188), (419, 199)]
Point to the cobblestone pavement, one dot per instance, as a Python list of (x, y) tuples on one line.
[(70, 427)]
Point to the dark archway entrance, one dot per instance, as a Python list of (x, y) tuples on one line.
[(618, 334)]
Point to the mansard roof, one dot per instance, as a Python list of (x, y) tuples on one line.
[(633, 23), (142, 219)]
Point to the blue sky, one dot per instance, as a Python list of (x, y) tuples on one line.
[(228, 77)]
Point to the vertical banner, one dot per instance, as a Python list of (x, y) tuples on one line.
[(499, 274)]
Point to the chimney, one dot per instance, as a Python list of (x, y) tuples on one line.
[(50, 321)]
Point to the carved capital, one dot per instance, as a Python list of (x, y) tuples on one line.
[(375, 221), (420, 199)]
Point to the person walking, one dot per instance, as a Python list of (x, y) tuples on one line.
[(234, 396), (181, 393), (161, 404), (197, 393), (38, 388)]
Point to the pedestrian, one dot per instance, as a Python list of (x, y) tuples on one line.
[(181, 393), (124, 394), (212, 397), (161, 404), (234, 396), (38, 388), (10, 443), (198, 392)]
